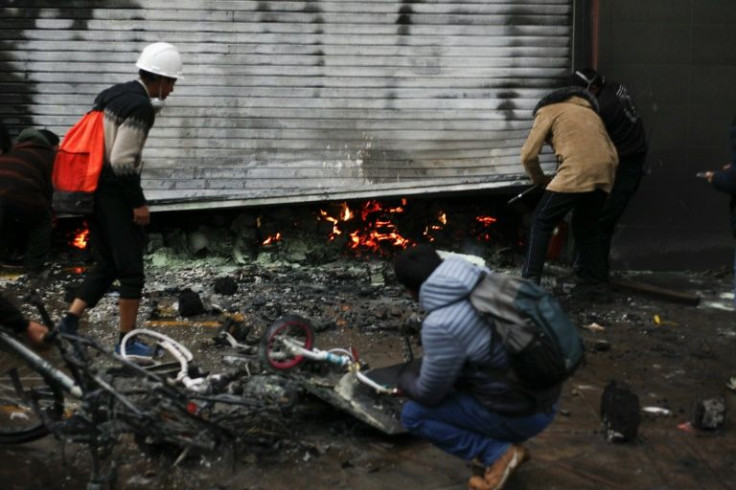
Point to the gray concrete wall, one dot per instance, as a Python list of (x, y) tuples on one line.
[(678, 59)]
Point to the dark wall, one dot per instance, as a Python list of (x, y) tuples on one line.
[(677, 58)]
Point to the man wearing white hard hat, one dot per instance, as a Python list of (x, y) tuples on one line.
[(120, 211)]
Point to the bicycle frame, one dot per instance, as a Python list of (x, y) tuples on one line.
[(338, 357), (42, 365)]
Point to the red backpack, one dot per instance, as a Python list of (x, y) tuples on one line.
[(78, 164)]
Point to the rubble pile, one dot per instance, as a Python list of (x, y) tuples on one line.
[(207, 276)]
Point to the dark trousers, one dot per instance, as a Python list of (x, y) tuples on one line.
[(36, 222), (629, 173), (117, 246), (551, 209)]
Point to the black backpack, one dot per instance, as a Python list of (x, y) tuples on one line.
[(542, 343)]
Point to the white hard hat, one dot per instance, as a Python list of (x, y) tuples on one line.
[(160, 59)]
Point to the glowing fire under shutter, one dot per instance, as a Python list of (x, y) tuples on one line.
[(81, 238), (372, 227)]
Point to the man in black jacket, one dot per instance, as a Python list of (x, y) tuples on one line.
[(724, 180), (25, 192), (120, 209), (626, 130)]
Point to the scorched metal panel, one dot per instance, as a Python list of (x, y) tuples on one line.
[(292, 101)]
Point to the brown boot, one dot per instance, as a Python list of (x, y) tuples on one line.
[(478, 483), (497, 474)]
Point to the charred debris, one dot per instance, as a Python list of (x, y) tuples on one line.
[(238, 271)]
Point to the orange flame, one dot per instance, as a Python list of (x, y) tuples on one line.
[(486, 220), (346, 213), (272, 239), (377, 227), (81, 238)]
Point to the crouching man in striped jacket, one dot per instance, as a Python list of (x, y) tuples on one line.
[(461, 400)]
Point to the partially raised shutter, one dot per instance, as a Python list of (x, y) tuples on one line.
[(292, 101)]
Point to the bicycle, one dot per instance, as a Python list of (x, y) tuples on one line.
[(111, 396), (289, 342), (337, 376)]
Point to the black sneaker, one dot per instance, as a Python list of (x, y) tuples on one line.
[(68, 325)]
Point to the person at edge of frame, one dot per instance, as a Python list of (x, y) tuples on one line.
[(12, 318), (724, 180), (5, 141), (117, 236), (626, 129), (567, 119), (25, 194), (461, 400)]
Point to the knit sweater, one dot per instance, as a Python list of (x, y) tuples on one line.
[(458, 352), (25, 175), (129, 116)]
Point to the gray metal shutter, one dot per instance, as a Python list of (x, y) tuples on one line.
[(294, 101)]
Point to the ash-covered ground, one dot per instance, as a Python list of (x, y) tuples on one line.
[(673, 355)]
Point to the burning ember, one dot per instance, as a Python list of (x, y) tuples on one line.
[(374, 226), (81, 238), (272, 239), (484, 223)]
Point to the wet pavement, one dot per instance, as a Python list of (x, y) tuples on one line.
[(672, 355)]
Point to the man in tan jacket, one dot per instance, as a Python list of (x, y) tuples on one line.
[(567, 119)]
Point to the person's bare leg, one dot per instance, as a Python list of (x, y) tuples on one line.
[(128, 309), (77, 307)]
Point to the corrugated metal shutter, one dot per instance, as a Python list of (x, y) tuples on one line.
[(294, 101)]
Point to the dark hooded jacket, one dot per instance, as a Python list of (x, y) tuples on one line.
[(622, 121), (725, 180), (25, 174)]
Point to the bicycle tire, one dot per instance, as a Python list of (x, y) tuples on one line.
[(19, 423), (272, 353)]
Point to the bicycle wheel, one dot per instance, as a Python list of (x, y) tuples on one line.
[(274, 351), (19, 423)]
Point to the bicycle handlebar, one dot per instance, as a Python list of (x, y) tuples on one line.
[(35, 299)]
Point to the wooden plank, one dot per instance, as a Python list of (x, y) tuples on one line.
[(656, 291)]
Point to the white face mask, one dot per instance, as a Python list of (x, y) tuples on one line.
[(157, 102)]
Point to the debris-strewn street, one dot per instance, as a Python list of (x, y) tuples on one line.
[(673, 356)]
